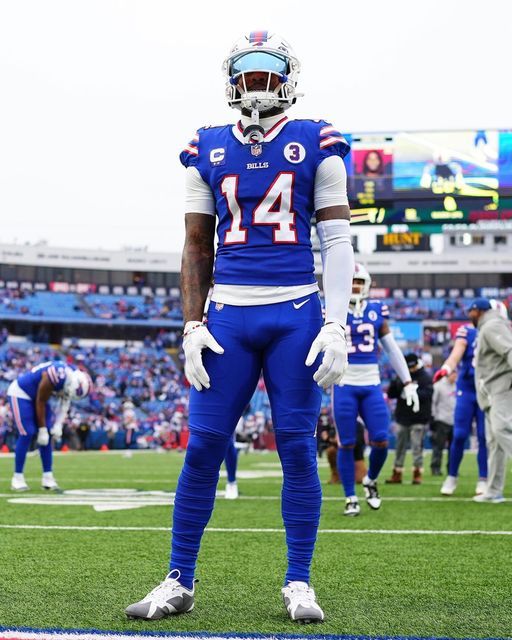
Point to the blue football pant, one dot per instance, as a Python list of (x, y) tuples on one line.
[(231, 460), (24, 413), (349, 402), (274, 339), (467, 410)]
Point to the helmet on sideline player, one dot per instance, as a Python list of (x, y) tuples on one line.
[(361, 283), (78, 384), (265, 52), (499, 306)]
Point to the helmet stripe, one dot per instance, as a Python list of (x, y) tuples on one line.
[(258, 36)]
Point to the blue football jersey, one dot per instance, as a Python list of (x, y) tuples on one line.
[(55, 370), (466, 367), (363, 332), (264, 196)]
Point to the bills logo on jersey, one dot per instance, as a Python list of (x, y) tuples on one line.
[(294, 152), (372, 315)]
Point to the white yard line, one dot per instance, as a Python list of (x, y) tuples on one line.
[(340, 498), (389, 532)]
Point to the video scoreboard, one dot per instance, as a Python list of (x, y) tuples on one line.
[(430, 177)]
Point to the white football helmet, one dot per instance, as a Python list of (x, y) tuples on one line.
[(499, 306), (360, 291), (78, 384), (270, 54)]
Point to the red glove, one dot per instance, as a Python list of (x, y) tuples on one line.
[(441, 373)]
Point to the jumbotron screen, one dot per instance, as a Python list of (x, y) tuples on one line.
[(430, 177)]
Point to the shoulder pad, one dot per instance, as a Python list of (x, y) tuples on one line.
[(331, 136), (208, 127), (462, 332)]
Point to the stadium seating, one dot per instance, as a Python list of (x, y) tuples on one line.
[(102, 308)]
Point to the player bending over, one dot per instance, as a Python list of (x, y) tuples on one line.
[(29, 397)]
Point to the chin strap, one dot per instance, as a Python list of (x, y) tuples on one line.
[(254, 132)]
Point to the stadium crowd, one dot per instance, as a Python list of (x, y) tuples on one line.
[(16, 301), (140, 397), (139, 400)]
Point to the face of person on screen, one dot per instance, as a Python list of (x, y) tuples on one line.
[(373, 165)]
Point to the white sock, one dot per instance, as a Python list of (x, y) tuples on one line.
[(19, 476)]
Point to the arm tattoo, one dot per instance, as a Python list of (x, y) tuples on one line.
[(197, 264)]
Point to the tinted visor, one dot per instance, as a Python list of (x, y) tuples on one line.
[(259, 61)]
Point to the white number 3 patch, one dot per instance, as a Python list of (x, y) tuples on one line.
[(294, 152)]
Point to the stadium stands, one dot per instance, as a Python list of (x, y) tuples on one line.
[(140, 397)]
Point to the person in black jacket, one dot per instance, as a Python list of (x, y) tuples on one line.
[(411, 426)]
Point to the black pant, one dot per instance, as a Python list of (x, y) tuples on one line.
[(442, 434)]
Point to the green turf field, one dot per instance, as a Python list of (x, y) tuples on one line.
[(428, 583)]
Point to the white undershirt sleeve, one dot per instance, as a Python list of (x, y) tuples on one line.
[(338, 263), (396, 357), (330, 183), (198, 195)]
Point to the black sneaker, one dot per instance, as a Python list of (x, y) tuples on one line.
[(352, 507)]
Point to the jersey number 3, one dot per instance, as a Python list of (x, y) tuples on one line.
[(275, 209)]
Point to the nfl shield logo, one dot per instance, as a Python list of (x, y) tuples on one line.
[(219, 306), (256, 150)]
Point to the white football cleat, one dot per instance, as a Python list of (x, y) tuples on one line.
[(49, 483), (352, 507), (449, 486), (169, 598), (486, 497), (371, 493), (300, 602), (481, 487), (231, 492), (18, 483)]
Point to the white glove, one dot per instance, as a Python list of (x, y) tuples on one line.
[(410, 394), (57, 431), (43, 437), (196, 338), (331, 340)]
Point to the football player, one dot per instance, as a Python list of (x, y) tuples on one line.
[(231, 462), (264, 178), (29, 397), (361, 392), (466, 406)]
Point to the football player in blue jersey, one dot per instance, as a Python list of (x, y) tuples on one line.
[(231, 462), (466, 405), (466, 409), (261, 180), (29, 397), (361, 392)]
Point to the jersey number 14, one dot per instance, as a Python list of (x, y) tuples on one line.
[(275, 208)]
